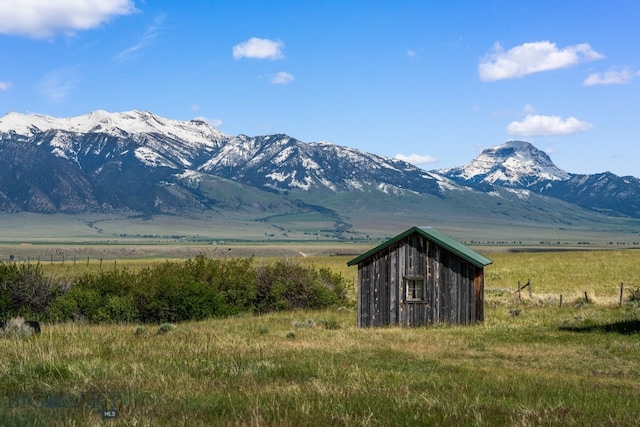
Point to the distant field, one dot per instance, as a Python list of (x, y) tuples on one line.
[(368, 227)]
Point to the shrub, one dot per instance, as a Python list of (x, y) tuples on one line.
[(169, 292), (16, 328), (288, 285), (140, 331), (26, 291), (119, 309), (331, 324), (310, 323), (634, 297), (165, 328), (63, 308), (174, 292)]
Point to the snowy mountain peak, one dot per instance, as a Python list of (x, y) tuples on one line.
[(116, 124), (514, 163)]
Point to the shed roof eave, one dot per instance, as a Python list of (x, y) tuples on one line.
[(431, 234)]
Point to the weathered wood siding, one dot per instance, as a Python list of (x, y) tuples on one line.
[(453, 292)]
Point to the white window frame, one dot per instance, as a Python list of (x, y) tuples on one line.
[(415, 289)]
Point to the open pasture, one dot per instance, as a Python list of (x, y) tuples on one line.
[(531, 363), (567, 273)]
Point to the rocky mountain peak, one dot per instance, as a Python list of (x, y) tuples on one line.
[(512, 164)]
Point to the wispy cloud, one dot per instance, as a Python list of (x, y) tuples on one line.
[(538, 125), (534, 57), (282, 78), (56, 85), (148, 36), (43, 19), (259, 49), (416, 159), (5, 86), (611, 77)]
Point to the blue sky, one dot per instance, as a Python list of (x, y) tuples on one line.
[(432, 81)]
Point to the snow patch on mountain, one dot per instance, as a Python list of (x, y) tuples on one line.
[(150, 157), (190, 175), (511, 164), (521, 194), (445, 184)]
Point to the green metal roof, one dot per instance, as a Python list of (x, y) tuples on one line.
[(435, 236)]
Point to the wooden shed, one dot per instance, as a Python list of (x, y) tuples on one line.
[(420, 277)]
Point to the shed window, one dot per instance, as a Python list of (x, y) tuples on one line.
[(415, 288)]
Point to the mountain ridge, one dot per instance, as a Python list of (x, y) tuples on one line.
[(139, 162), (519, 165)]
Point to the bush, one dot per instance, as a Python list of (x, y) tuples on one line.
[(169, 292), (634, 297), (331, 324), (175, 292), (288, 285), (26, 291), (140, 331), (63, 308), (16, 328), (165, 328)]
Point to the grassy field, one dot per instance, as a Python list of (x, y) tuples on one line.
[(531, 363)]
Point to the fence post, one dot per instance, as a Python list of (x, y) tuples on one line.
[(621, 292), (560, 300)]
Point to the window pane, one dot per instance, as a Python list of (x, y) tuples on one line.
[(415, 289)]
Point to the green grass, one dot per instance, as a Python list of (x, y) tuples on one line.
[(599, 273), (531, 362), (523, 370)]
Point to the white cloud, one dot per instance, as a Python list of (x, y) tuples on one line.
[(259, 49), (146, 39), (534, 57), (4, 86), (411, 53), (42, 19), (416, 159), (282, 78), (537, 125), (611, 77), (56, 85)]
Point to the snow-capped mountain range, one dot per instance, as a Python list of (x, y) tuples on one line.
[(139, 162)]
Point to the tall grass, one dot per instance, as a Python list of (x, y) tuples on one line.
[(599, 273), (523, 370), (547, 365)]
